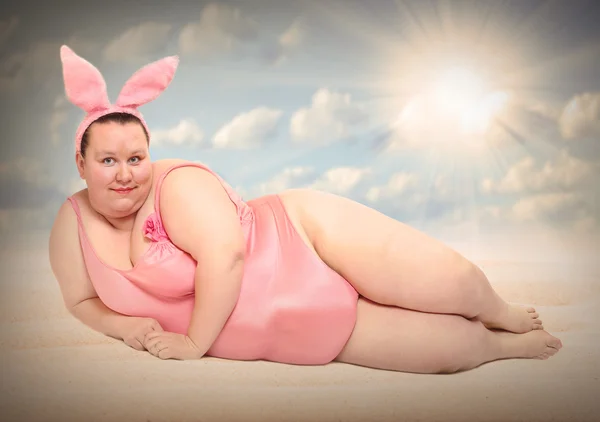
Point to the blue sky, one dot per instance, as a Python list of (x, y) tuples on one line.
[(477, 122)]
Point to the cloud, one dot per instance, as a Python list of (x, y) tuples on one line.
[(248, 130), (426, 121), (564, 172), (288, 42), (290, 177), (293, 36), (331, 117), (221, 28), (28, 66), (185, 132), (7, 28), (39, 64), (557, 206), (581, 117), (397, 184), (341, 180), (141, 41)]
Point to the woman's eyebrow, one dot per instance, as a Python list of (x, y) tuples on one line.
[(107, 152)]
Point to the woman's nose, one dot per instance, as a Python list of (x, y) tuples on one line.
[(124, 174)]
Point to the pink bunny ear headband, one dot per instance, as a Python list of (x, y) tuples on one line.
[(85, 87)]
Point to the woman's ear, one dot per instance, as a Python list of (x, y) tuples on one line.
[(80, 162)]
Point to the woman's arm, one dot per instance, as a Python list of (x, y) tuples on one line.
[(79, 295), (68, 266), (201, 219), (96, 315)]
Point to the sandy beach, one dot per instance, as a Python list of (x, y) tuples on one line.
[(56, 369)]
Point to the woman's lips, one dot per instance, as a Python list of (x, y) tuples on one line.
[(123, 191)]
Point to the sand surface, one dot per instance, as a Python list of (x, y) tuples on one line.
[(56, 369)]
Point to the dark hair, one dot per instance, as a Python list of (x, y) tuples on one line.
[(121, 118)]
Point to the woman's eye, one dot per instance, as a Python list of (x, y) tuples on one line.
[(135, 159), (106, 160)]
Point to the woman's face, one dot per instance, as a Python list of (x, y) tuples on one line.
[(117, 168)]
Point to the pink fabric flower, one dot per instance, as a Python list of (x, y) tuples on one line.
[(153, 229)]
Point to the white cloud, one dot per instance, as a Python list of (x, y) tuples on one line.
[(341, 180), (291, 177), (543, 205), (426, 120), (397, 184), (331, 117), (581, 117), (564, 172), (7, 28), (140, 41), (185, 132), (248, 130), (220, 28)]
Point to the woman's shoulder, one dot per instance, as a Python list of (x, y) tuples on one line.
[(66, 214), (168, 162), (159, 167), (65, 223)]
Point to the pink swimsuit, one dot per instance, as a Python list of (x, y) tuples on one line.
[(292, 307)]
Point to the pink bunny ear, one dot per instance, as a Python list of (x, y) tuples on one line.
[(84, 85), (148, 83)]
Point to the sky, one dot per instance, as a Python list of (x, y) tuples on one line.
[(475, 122)]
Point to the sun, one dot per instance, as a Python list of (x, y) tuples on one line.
[(456, 91), (457, 104)]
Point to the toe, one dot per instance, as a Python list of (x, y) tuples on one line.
[(554, 343), (534, 315), (530, 310)]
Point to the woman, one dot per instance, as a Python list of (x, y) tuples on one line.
[(167, 257)]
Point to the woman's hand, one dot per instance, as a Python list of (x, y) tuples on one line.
[(166, 345), (134, 329)]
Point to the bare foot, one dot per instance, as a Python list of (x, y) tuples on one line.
[(538, 344), (517, 319)]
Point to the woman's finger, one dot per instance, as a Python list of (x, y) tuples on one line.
[(151, 335), (153, 343), (140, 342)]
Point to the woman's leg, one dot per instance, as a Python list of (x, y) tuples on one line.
[(392, 338), (393, 264)]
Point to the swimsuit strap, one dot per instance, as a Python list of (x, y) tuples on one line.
[(75, 206), (243, 209)]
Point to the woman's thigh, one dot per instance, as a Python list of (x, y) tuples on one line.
[(392, 338), (385, 260)]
